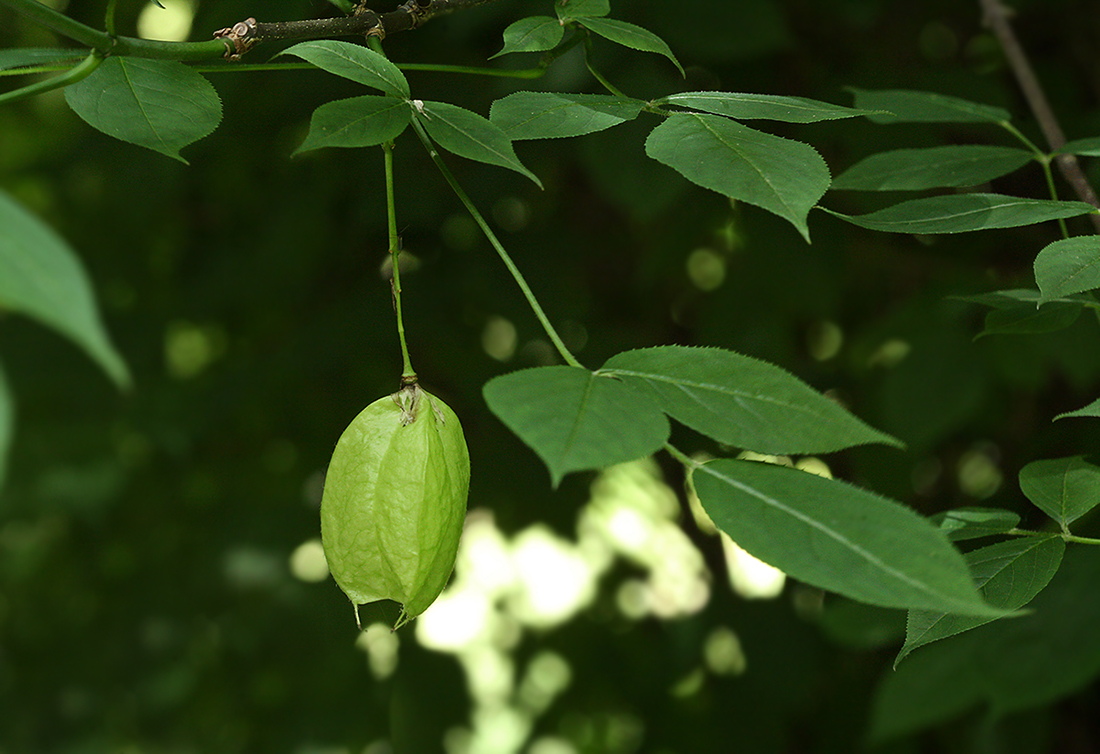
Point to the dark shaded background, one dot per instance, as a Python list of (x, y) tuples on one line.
[(145, 602)]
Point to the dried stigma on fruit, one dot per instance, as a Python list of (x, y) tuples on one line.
[(395, 500)]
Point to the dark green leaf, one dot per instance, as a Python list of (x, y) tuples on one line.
[(742, 106), (1025, 319), (629, 35), (533, 34), (1004, 666), (1007, 299), (357, 122), (1093, 410), (838, 537), (906, 106), (582, 8), (159, 104), (1063, 488), (353, 62), (741, 401), (1083, 147), (41, 277), (576, 420), (782, 176), (1008, 574), (972, 523), (547, 115), (469, 135), (24, 57), (961, 213), (936, 167), (1069, 266)]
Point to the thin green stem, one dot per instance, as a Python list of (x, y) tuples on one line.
[(592, 69), (1044, 160), (1064, 535), (689, 463), (71, 76), (109, 17), (408, 374), (559, 344), (106, 43), (524, 73)]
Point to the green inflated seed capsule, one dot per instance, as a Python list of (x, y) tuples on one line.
[(395, 501)]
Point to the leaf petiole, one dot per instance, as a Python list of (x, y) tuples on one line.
[(559, 344)]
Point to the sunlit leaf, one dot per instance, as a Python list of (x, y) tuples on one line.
[(907, 106), (630, 35), (548, 115), (1093, 409), (469, 135), (1069, 266), (576, 420), (961, 213), (741, 401), (838, 537), (582, 8), (533, 34), (740, 106), (935, 167), (1083, 147), (354, 62), (357, 122), (1008, 574), (782, 176), (159, 104), (1063, 488), (972, 523), (41, 277)]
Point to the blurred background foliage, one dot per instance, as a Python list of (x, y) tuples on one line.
[(158, 549)]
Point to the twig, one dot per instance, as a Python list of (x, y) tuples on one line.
[(996, 18), (410, 15), (240, 38)]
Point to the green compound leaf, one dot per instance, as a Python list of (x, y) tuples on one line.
[(973, 523), (906, 106), (1063, 488), (937, 167), (7, 425), (962, 213), (582, 8), (1083, 147), (1092, 410), (359, 64), (357, 122), (740, 106), (629, 35), (1008, 574), (1069, 266), (551, 115), (576, 420), (159, 104), (469, 135), (41, 277), (741, 401), (534, 34), (782, 176), (838, 537)]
